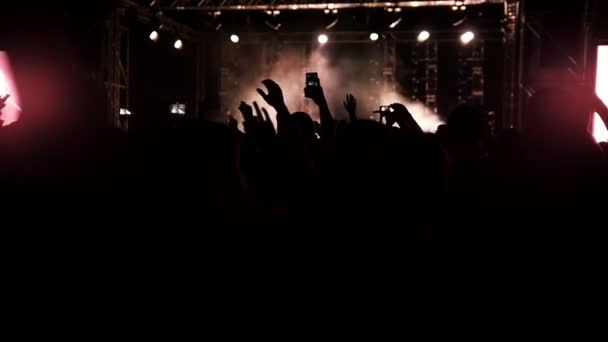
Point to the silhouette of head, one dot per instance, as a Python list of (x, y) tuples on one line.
[(465, 124)]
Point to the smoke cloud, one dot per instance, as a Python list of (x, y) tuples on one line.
[(339, 76)]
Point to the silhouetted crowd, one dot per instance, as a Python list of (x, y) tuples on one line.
[(356, 185)]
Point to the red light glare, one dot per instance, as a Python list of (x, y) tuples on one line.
[(12, 111), (600, 132)]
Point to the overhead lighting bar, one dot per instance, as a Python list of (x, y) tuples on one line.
[(236, 5)]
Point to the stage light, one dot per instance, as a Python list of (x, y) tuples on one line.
[(276, 12), (374, 36), (323, 39), (423, 36), (178, 108), (390, 9), (334, 11), (8, 86), (600, 132), (467, 37), (326, 11), (269, 12), (454, 8), (178, 45), (124, 112), (463, 8), (395, 23), (234, 38), (331, 6), (398, 9), (334, 22), (154, 36)]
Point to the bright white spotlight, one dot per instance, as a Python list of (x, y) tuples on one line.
[(178, 44), (467, 37), (423, 36), (124, 112), (234, 38), (154, 36), (323, 39), (374, 36)]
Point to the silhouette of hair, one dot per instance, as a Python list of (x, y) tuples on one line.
[(465, 123)]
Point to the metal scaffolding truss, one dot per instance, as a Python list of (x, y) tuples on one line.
[(240, 5)]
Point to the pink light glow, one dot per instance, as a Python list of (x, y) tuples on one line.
[(12, 111), (600, 133)]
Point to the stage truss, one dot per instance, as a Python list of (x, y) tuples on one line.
[(294, 5), (512, 38)]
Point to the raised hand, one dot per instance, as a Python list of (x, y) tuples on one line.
[(266, 116), (316, 94), (263, 117), (350, 104), (246, 111), (274, 97), (232, 122), (402, 116)]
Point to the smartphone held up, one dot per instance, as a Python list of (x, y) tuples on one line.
[(312, 85)]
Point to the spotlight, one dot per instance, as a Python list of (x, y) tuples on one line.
[(326, 11), (454, 8), (398, 9), (423, 36), (124, 112), (334, 22), (269, 12), (276, 12), (390, 9), (234, 38), (334, 11), (395, 23), (373, 36), (273, 24), (154, 36), (178, 45), (331, 6), (323, 39), (467, 37), (463, 8)]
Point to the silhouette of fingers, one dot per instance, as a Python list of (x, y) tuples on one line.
[(263, 94), (258, 113), (266, 116), (247, 111), (232, 122)]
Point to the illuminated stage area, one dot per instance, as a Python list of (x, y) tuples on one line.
[(340, 115), (431, 55)]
